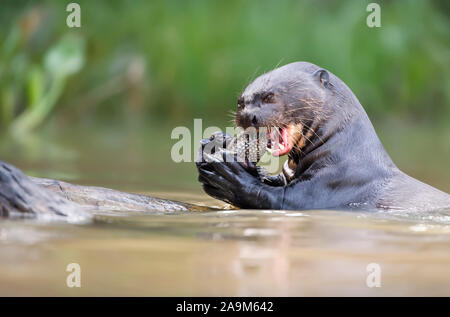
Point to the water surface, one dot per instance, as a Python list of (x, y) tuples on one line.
[(216, 253)]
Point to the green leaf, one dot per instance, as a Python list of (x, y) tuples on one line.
[(66, 57)]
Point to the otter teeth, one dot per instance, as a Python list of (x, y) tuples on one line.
[(280, 148)]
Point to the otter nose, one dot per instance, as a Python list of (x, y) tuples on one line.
[(248, 120), (254, 121)]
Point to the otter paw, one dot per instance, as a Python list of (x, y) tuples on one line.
[(227, 181)]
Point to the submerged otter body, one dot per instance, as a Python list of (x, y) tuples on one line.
[(24, 196), (336, 160)]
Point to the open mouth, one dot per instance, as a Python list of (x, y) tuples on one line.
[(278, 143)]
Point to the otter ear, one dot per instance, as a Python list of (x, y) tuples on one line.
[(323, 76)]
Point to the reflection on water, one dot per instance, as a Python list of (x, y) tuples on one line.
[(222, 253)]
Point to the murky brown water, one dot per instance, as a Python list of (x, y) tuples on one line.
[(220, 253), (228, 253)]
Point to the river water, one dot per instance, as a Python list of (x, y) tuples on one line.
[(212, 253)]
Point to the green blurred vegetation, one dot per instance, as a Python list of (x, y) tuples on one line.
[(134, 61), (96, 105)]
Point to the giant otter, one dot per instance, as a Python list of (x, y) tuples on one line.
[(335, 159)]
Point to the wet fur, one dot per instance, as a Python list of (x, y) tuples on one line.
[(337, 158)]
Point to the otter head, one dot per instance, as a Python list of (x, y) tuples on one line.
[(290, 101)]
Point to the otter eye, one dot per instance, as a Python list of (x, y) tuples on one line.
[(240, 102), (268, 97)]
